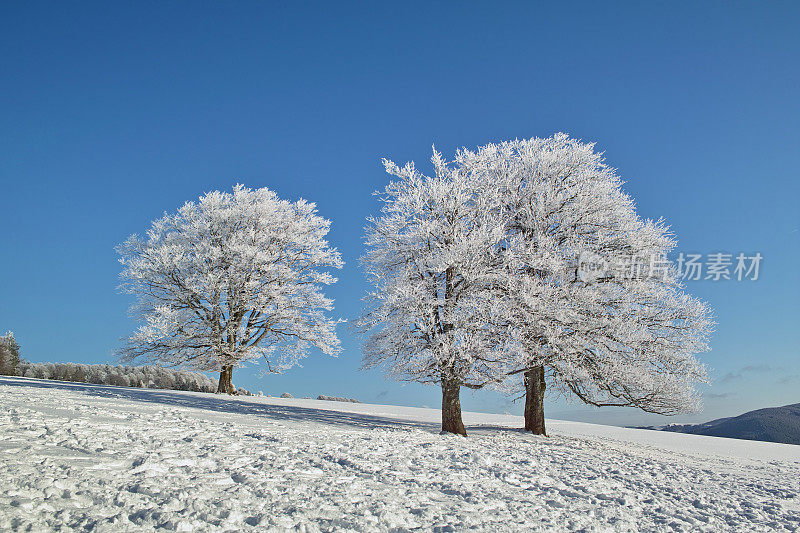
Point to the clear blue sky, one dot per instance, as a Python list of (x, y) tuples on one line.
[(114, 112)]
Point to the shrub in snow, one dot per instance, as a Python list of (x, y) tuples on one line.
[(336, 399), (153, 377), (286, 395), (9, 354)]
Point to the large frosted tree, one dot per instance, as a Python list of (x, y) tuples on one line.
[(593, 304), (235, 276), (481, 274), (430, 259)]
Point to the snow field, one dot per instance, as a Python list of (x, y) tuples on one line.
[(79, 457)]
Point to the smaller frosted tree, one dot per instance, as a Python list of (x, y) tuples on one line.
[(9, 354), (230, 278), (431, 317)]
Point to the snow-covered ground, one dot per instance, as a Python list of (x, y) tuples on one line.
[(78, 456)]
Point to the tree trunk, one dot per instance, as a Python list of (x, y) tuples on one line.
[(534, 400), (226, 380), (451, 408)]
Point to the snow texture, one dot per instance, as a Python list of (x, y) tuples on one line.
[(92, 457)]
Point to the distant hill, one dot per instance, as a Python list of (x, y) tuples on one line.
[(773, 424)]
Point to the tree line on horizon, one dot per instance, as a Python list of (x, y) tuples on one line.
[(150, 377), (475, 282)]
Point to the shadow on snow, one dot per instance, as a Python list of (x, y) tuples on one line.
[(239, 405)]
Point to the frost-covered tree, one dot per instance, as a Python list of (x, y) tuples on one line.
[(430, 259), (9, 354), (232, 277), (624, 334)]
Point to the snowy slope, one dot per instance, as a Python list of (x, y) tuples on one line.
[(113, 459)]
